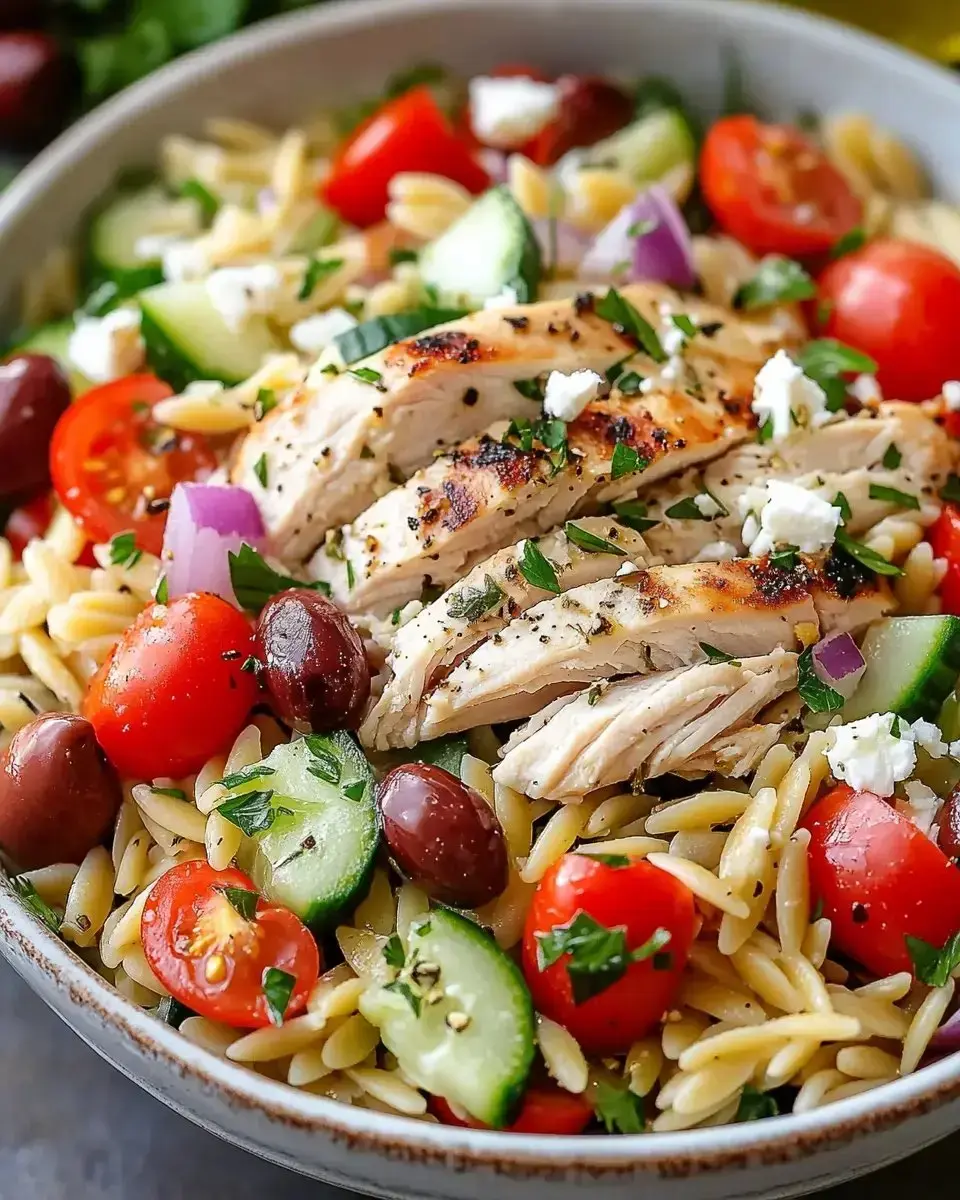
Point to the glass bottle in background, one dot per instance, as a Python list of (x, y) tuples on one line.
[(930, 27)]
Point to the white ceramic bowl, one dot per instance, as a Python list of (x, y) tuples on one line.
[(278, 72)]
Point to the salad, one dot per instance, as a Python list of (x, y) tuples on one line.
[(480, 603)]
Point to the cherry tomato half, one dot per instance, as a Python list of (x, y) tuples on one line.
[(773, 189), (879, 879), (212, 958), (897, 302), (944, 537), (545, 1108), (109, 459), (409, 133), (636, 898), (172, 692)]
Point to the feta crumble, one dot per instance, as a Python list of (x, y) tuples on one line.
[(507, 111), (790, 515), (716, 552), (783, 395), (566, 396), (951, 394), (238, 293), (707, 505), (313, 334), (921, 806), (184, 260), (506, 298), (928, 737), (869, 756), (107, 348), (153, 246), (865, 389)]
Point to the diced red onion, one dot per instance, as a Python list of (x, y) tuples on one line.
[(837, 662), (494, 162), (947, 1038), (663, 253), (204, 522), (570, 243)]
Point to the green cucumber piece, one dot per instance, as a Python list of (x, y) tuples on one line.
[(649, 147), (52, 339), (370, 337), (912, 667), (187, 339), (317, 856), (483, 1066), (491, 247), (115, 231)]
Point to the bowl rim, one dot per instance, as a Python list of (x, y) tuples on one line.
[(31, 947)]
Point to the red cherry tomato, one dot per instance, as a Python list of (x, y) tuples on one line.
[(409, 133), (879, 879), (212, 958), (638, 898), (172, 692), (544, 1109), (897, 302), (590, 109), (944, 537), (773, 189), (109, 459)]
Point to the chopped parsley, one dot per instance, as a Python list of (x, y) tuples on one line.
[(932, 966), (355, 791), (277, 989), (598, 955), (852, 240), (260, 470), (265, 402), (620, 312), (317, 269), (407, 991), (537, 570), (951, 489), (714, 654), (620, 1110), (826, 361), (243, 900), (626, 461), (530, 389), (785, 558), (777, 281), (368, 375), (879, 491), (687, 509), (254, 581), (865, 556), (685, 324), (892, 457), (162, 594), (840, 501), (818, 696), (123, 550), (351, 575), (324, 760), (246, 775), (765, 432), (208, 203), (608, 860), (470, 603), (393, 952), (629, 383), (755, 1105), (633, 514), (252, 812), (172, 792), (589, 541), (31, 898)]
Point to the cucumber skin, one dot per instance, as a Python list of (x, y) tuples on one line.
[(530, 269), (165, 359), (937, 682)]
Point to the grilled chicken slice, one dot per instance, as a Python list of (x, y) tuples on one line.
[(644, 727), (338, 443), (892, 446), (654, 620), (484, 602), (492, 489)]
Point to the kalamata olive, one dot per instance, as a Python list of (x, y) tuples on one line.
[(58, 793), (33, 394), (948, 838), (316, 670), (36, 88), (442, 835)]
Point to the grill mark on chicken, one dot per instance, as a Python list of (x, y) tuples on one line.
[(450, 345)]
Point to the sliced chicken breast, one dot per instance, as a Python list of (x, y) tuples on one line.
[(481, 604), (643, 727), (654, 620)]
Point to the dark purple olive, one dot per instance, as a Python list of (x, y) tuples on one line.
[(442, 835), (36, 88), (949, 837), (22, 14), (33, 394), (58, 794), (316, 669)]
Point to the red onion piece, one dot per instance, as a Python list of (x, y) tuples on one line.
[(494, 162), (837, 662), (204, 522), (947, 1037), (663, 253), (570, 243)]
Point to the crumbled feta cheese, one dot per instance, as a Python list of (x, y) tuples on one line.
[(951, 394), (508, 111), (707, 505), (928, 737), (107, 348), (506, 298), (238, 293), (568, 168), (566, 396), (204, 388), (922, 805), (790, 515), (627, 568), (785, 396), (315, 333), (869, 756), (153, 246), (184, 260), (716, 552), (865, 389)]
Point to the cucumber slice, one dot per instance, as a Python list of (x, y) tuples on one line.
[(484, 1064), (52, 339), (649, 147), (490, 248), (316, 857), (187, 339), (369, 337), (115, 231), (912, 667)]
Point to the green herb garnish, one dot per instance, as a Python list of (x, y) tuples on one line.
[(892, 457), (625, 460), (254, 581), (589, 541), (368, 375), (865, 556), (277, 989), (879, 491), (260, 470), (265, 402), (715, 655), (470, 603), (850, 241), (840, 501), (932, 966), (755, 1105), (826, 361), (209, 204), (633, 514), (252, 812), (620, 312), (243, 900), (246, 775), (777, 281), (598, 954), (123, 551), (537, 570), (785, 558), (31, 898), (620, 1110), (317, 269), (817, 695), (393, 952), (162, 594)]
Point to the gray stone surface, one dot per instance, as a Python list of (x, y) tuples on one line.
[(73, 1128)]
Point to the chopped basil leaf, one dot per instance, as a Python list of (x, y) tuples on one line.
[(777, 281), (174, 793), (879, 491), (932, 966), (30, 897), (317, 269), (619, 311), (246, 774), (826, 361), (755, 1105), (598, 955), (687, 509), (538, 571), (193, 189), (850, 241), (325, 762), (260, 470), (817, 695), (393, 952), (765, 432), (714, 654), (403, 988), (840, 501), (951, 489), (277, 989), (370, 337), (620, 1110), (265, 402), (629, 383), (626, 461), (243, 900), (351, 576), (355, 791), (608, 860), (892, 457), (685, 324), (470, 603), (785, 558), (589, 541), (865, 556), (162, 594), (252, 812), (530, 389), (254, 581), (123, 550), (633, 514), (368, 375)]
